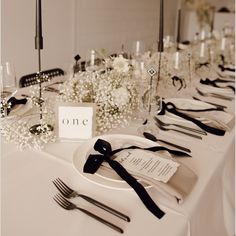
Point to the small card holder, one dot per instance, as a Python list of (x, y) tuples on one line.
[(75, 121)]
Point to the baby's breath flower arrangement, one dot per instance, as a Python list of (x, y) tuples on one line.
[(16, 130), (116, 98), (113, 91)]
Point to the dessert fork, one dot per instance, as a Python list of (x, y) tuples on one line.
[(67, 192), (179, 131), (180, 126), (67, 205)]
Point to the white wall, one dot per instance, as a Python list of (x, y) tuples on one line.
[(18, 32), (230, 4), (76, 26), (110, 23)]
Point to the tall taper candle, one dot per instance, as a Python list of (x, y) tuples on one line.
[(161, 27), (38, 35), (212, 18), (178, 27)]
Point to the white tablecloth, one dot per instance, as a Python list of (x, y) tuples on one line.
[(28, 207)]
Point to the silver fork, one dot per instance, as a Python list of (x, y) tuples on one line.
[(67, 192), (215, 95), (67, 205), (180, 126), (179, 131)]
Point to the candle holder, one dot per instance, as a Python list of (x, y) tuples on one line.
[(41, 128), (160, 42)]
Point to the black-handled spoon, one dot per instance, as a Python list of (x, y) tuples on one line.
[(153, 138)]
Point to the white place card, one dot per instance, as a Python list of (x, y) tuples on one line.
[(147, 164), (75, 120)]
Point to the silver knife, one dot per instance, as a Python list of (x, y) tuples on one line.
[(153, 138)]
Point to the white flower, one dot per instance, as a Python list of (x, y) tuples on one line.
[(120, 97), (120, 64)]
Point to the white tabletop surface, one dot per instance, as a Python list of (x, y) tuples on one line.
[(27, 192)]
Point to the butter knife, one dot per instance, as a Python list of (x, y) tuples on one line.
[(153, 138)]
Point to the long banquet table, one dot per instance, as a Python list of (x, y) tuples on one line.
[(28, 208)]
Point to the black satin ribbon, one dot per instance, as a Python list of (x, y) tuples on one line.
[(13, 102), (222, 57), (170, 107), (94, 161), (199, 65), (180, 80), (214, 84), (226, 68)]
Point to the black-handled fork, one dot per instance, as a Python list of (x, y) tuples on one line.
[(67, 205), (67, 192)]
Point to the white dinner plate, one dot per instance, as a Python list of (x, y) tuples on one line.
[(104, 176), (185, 103)]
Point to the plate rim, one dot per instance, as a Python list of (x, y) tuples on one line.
[(104, 181)]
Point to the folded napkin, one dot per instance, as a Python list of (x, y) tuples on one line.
[(215, 83), (184, 45), (207, 113), (170, 107), (178, 187), (12, 102), (210, 89), (227, 68), (219, 119), (106, 153)]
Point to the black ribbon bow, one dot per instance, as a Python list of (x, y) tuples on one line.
[(223, 68), (176, 79), (214, 83), (200, 65), (13, 102), (170, 107), (94, 161)]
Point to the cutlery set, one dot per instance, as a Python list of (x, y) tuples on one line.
[(217, 127), (169, 126), (161, 123), (67, 193), (178, 131)]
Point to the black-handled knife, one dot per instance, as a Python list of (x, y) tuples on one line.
[(153, 138)]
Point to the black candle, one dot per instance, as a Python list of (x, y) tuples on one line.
[(178, 27), (38, 35), (161, 27), (212, 19)]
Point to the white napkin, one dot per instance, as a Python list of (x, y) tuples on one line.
[(210, 89), (178, 187), (219, 119)]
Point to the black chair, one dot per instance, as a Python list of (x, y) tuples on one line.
[(32, 79)]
